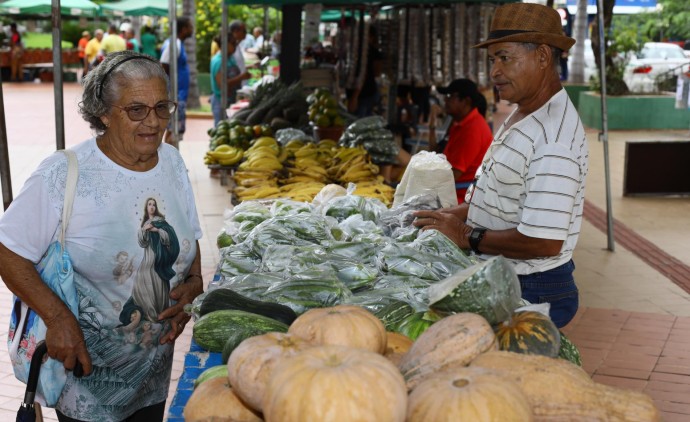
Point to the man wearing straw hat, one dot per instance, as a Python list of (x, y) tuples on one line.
[(528, 196)]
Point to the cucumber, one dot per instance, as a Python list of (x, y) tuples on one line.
[(223, 298), (212, 330), (218, 371)]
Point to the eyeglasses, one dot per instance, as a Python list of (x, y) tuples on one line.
[(139, 112)]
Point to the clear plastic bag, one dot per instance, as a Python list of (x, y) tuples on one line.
[(342, 207), (490, 289), (436, 243), (399, 259), (355, 224), (283, 136), (317, 288), (401, 215), (285, 207)]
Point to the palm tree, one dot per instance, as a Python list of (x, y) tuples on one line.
[(189, 10)]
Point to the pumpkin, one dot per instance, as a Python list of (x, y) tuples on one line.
[(251, 364), (529, 332), (335, 384), (396, 346), (215, 400), (344, 325), (450, 343), (468, 394), (560, 390)]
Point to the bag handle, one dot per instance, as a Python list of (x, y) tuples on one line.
[(70, 190)]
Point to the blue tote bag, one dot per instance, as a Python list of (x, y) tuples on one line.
[(27, 329)]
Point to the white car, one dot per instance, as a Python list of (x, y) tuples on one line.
[(654, 63)]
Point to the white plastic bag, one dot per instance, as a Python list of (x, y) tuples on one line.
[(427, 171)]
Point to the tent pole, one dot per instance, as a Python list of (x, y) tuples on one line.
[(5, 176), (604, 134), (224, 57), (57, 75), (172, 5)]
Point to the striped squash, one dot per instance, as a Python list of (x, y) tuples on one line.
[(530, 333)]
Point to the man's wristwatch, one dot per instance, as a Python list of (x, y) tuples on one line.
[(476, 236)]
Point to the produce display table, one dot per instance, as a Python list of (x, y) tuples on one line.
[(196, 361)]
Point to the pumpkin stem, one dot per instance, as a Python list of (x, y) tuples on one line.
[(462, 382)]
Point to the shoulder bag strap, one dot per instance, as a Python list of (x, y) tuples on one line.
[(70, 190)]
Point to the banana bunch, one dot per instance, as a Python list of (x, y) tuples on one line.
[(265, 191), (225, 155), (262, 156), (301, 191), (345, 154), (356, 169), (376, 189), (306, 172), (292, 146)]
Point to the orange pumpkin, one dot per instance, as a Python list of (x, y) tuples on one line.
[(335, 384), (529, 332), (396, 346), (343, 325), (468, 394), (215, 400), (450, 343), (251, 364)]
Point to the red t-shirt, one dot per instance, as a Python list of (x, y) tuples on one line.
[(468, 141)]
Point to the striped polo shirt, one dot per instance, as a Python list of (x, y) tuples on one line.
[(533, 179)]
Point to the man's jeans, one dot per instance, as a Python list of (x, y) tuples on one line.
[(555, 286)]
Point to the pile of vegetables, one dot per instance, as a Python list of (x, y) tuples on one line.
[(277, 105), (338, 364)]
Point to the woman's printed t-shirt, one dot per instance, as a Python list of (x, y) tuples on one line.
[(533, 179), (132, 238)]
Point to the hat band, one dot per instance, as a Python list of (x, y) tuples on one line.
[(504, 33)]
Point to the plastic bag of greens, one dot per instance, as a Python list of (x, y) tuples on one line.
[(490, 289), (436, 243), (285, 207), (291, 258), (402, 215), (299, 229), (271, 233), (251, 285), (366, 124), (405, 234), (417, 287), (355, 274), (248, 211), (318, 288), (236, 260), (361, 251), (355, 224), (283, 136), (327, 193), (342, 207), (400, 259), (376, 300)]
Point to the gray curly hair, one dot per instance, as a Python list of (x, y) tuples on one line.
[(103, 85)]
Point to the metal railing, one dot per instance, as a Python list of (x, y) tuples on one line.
[(667, 80)]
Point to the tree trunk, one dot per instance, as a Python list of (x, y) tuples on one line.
[(614, 76), (189, 10), (549, 3), (577, 65)]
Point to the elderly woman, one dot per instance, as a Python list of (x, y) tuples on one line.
[(134, 200)]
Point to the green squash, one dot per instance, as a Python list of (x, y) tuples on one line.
[(530, 333)]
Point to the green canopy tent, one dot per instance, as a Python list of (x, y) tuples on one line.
[(136, 8), (44, 7)]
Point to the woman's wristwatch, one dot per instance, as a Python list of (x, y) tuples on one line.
[(476, 236)]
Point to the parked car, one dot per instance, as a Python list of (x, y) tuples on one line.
[(656, 59)]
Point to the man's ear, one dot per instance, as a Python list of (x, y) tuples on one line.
[(544, 56)]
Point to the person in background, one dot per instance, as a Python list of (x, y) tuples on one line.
[(468, 136), (215, 45), (276, 39), (93, 48), (362, 100), (149, 43), (234, 78), (16, 53), (132, 42), (258, 33), (83, 41), (528, 199), (185, 29), (248, 41), (113, 42), (124, 334)]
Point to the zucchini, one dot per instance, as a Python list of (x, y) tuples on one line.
[(212, 330), (223, 298), (235, 339), (394, 313), (218, 371)]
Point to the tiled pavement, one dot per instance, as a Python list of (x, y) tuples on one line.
[(633, 328)]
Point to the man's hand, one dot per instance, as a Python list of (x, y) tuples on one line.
[(447, 223)]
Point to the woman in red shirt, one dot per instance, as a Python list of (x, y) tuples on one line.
[(468, 136)]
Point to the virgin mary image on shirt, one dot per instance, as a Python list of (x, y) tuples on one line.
[(161, 248)]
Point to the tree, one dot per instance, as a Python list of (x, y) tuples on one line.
[(614, 64)]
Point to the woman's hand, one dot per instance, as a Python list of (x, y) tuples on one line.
[(65, 341), (184, 293), (447, 223)]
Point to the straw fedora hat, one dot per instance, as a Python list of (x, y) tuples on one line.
[(527, 22)]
